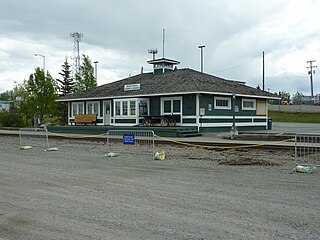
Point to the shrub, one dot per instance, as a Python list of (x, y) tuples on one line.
[(11, 118)]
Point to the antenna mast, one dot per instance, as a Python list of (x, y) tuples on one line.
[(76, 51), (163, 32)]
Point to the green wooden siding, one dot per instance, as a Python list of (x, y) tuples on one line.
[(155, 106), (189, 105), (205, 100), (189, 120), (101, 108)]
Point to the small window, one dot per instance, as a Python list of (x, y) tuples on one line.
[(248, 104), (222, 103)]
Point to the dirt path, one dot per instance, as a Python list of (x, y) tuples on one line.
[(77, 193)]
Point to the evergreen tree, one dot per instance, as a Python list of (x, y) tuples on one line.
[(85, 77), (66, 84)]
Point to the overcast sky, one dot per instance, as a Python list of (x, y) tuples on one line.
[(118, 34)]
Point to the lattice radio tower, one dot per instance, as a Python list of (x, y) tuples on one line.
[(76, 51)]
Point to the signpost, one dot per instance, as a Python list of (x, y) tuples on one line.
[(128, 138)]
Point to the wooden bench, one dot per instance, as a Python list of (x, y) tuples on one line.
[(84, 119)]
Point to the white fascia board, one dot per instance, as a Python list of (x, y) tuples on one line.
[(163, 94)]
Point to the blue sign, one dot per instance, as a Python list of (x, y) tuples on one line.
[(128, 138)]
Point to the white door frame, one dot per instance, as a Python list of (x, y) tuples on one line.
[(106, 116)]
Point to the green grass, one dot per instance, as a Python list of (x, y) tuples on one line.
[(298, 117)]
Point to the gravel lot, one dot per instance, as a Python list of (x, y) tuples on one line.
[(78, 193)]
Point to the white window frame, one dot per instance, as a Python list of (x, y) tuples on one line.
[(77, 108), (222, 107), (128, 100), (93, 103), (171, 99), (249, 100)]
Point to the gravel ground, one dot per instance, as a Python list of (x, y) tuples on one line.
[(78, 193)]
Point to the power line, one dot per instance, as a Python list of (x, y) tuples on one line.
[(240, 65), (282, 68)]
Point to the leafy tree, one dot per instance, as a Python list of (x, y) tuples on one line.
[(85, 77), (5, 96), (285, 96), (297, 98), (41, 94)]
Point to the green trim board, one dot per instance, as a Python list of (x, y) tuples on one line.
[(126, 120), (189, 120), (227, 129)]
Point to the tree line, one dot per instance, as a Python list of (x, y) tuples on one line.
[(37, 95)]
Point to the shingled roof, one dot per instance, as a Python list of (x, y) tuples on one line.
[(180, 81)]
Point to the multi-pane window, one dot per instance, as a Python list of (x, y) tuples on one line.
[(117, 108), (77, 108), (248, 104), (222, 103), (132, 108), (171, 105), (93, 108), (125, 108)]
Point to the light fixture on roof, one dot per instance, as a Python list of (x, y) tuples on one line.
[(153, 51)]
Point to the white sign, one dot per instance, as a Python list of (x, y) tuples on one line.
[(132, 87)]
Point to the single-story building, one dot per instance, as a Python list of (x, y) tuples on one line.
[(173, 97), (4, 105)]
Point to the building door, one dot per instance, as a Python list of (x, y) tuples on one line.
[(107, 113)]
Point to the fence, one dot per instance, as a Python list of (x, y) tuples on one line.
[(34, 137), (307, 150), (139, 142)]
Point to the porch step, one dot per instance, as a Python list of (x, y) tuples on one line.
[(188, 133)]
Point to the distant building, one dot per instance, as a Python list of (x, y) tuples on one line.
[(4, 106), (185, 96)]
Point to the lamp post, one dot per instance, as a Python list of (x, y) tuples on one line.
[(201, 57), (96, 70), (44, 62)]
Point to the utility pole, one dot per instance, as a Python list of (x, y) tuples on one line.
[(311, 72), (263, 80)]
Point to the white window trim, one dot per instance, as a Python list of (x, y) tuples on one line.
[(171, 99), (72, 106), (93, 102), (249, 100), (222, 107), (128, 107)]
